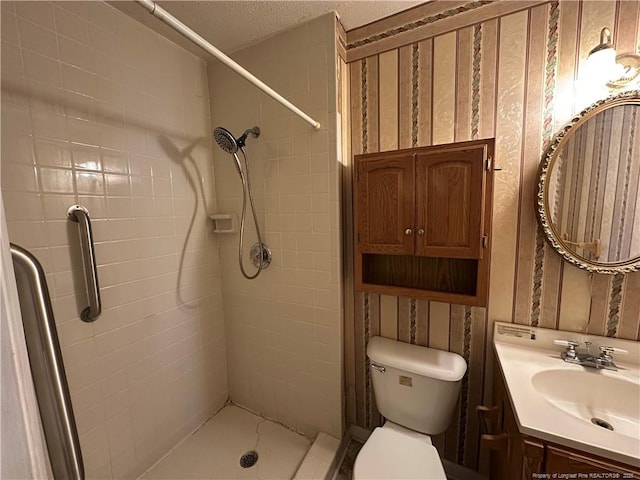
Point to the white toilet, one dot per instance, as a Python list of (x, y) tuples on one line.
[(416, 390)]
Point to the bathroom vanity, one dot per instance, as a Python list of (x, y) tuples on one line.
[(550, 417)]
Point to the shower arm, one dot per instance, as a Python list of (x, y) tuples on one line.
[(181, 28)]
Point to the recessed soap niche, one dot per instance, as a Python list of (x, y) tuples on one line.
[(224, 222)]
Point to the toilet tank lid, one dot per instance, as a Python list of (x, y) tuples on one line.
[(416, 359)]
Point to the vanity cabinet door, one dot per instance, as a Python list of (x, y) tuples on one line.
[(562, 461)]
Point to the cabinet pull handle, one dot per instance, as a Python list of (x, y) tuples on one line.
[(408, 231), (421, 231)]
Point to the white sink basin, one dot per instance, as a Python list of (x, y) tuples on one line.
[(569, 404), (594, 396)]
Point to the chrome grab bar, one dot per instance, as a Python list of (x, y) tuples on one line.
[(80, 214), (47, 368)]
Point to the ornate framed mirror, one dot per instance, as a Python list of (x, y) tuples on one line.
[(588, 197)]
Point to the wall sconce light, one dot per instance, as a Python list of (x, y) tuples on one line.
[(616, 71)]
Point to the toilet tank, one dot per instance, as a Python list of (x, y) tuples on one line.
[(416, 387)]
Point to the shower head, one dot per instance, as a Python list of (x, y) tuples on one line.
[(229, 143), (225, 140)]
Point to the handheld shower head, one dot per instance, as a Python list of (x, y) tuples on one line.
[(225, 140), (229, 143)]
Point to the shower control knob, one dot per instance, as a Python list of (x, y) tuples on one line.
[(408, 231)]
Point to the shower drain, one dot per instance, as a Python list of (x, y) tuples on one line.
[(601, 423), (249, 459)]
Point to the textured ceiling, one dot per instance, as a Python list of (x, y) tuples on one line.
[(233, 24)]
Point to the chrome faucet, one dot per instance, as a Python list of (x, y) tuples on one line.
[(604, 360)]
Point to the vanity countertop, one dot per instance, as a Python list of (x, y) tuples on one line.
[(555, 401)]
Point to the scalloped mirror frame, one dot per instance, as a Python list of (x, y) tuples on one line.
[(548, 159)]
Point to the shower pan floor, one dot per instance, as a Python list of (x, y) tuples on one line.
[(214, 451)]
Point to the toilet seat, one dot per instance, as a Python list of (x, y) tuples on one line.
[(391, 454)]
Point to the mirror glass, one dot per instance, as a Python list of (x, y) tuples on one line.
[(589, 192)]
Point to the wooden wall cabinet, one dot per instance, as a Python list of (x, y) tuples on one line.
[(422, 221), (518, 457)]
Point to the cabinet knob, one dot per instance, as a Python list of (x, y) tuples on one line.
[(408, 231), (421, 231)]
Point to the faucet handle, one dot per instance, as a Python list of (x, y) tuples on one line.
[(567, 343), (609, 350), (571, 348)]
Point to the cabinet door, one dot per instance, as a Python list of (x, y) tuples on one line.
[(385, 204), (560, 460), (450, 189)]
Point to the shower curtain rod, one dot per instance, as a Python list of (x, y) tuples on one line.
[(180, 27)]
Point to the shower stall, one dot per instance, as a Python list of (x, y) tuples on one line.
[(100, 111)]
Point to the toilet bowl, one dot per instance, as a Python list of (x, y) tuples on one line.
[(416, 389)]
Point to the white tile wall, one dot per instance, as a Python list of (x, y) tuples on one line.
[(97, 110), (284, 328)]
